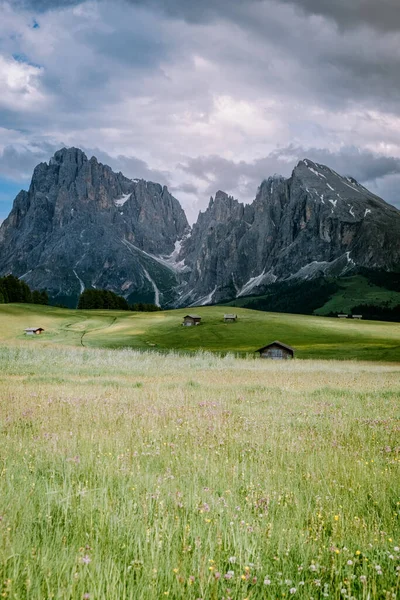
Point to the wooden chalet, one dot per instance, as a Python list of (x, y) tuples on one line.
[(34, 331), (230, 318), (276, 350), (191, 320)]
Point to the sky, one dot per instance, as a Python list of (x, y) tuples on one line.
[(202, 96)]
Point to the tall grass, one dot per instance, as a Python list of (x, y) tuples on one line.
[(142, 476)]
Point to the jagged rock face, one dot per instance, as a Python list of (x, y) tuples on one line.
[(82, 225), (314, 223)]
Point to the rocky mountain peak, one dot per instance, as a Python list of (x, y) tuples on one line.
[(69, 155), (81, 225)]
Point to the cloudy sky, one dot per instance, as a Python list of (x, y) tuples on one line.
[(201, 96)]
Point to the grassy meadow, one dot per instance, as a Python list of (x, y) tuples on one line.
[(312, 337), (145, 475)]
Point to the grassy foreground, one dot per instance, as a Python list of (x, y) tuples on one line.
[(128, 475), (313, 337)]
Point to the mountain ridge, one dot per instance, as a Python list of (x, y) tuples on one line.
[(82, 225)]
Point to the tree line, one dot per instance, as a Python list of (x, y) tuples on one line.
[(13, 289), (107, 300)]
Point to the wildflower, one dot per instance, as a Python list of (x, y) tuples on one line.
[(336, 517), (363, 579), (86, 559), (301, 583), (288, 582), (293, 590), (232, 559), (349, 562), (313, 567), (343, 591), (217, 575), (229, 575), (396, 549), (267, 581), (86, 596), (358, 552), (254, 580), (191, 580), (175, 570)]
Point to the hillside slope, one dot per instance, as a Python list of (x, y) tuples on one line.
[(313, 337)]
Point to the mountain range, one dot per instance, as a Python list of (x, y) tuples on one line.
[(81, 225)]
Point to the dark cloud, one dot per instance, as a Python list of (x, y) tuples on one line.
[(194, 12), (377, 14), (134, 46), (197, 12), (18, 163), (186, 188), (130, 166), (44, 5)]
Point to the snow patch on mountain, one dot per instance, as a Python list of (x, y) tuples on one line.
[(80, 281), (166, 262), (316, 172), (252, 283), (171, 261), (121, 201), (155, 288), (205, 299)]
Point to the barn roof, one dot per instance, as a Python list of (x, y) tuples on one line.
[(276, 343), (192, 316)]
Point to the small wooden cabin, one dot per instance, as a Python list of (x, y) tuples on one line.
[(343, 316), (191, 320), (276, 350), (359, 317), (34, 331), (230, 318)]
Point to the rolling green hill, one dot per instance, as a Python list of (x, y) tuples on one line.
[(357, 290), (324, 296), (313, 337)]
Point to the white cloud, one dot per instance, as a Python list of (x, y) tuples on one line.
[(20, 86)]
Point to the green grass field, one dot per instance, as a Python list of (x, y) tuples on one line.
[(139, 476), (313, 337)]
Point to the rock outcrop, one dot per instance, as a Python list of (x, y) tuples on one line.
[(81, 225), (314, 223)]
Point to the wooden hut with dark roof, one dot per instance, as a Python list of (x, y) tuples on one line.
[(191, 320), (34, 331), (276, 350), (230, 318)]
